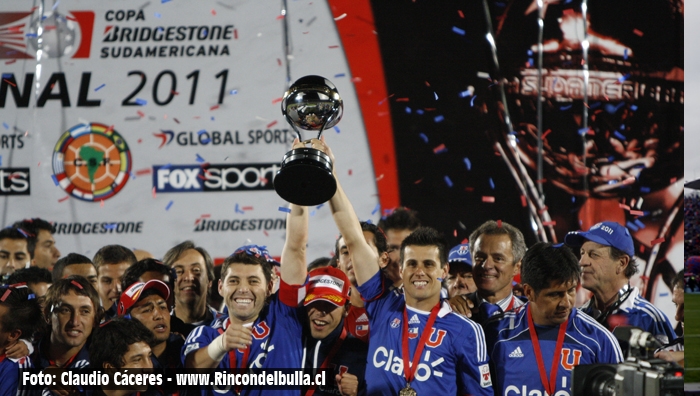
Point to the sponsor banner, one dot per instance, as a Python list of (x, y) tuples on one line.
[(118, 109)]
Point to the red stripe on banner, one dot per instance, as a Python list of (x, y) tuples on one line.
[(364, 60)]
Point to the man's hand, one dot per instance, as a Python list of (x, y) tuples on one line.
[(462, 305), (347, 384), (17, 350), (237, 337), (672, 356)]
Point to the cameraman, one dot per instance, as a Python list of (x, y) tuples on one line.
[(673, 351)]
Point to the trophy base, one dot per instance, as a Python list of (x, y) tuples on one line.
[(305, 178)]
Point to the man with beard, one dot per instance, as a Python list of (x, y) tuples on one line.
[(147, 303), (72, 310), (193, 272), (547, 334), (397, 226)]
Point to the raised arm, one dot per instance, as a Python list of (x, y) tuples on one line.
[(293, 268), (364, 259)]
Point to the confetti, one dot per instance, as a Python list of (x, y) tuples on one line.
[(339, 17), (349, 172), (31, 35), (339, 75), (623, 78), (170, 204), (549, 223), (440, 149), (457, 30), (213, 107), (439, 118), (376, 209), (483, 75), (523, 201), (153, 192), (9, 82), (270, 125), (623, 206), (402, 99), (644, 190), (64, 198), (436, 95), (424, 137), (499, 223), (55, 180), (488, 199), (5, 125), (145, 171), (448, 181), (283, 209), (408, 110), (466, 93), (632, 226), (624, 54), (110, 226), (467, 163), (278, 100), (165, 1), (157, 15), (461, 14), (11, 62), (547, 132), (380, 177), (250, 208), (564, 108), (141, 102), (638, 32), (100, 87), (233, 91), (620, 136), (471, 103), (637, 212), (491, 183), (102, 203), (200, 159), (657, 241), (639, 224), (336, 129)]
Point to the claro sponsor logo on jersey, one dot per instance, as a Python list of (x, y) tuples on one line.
[(62, 34), (213, 177), (14, 181)]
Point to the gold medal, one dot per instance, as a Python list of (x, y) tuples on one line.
[(408, 391)]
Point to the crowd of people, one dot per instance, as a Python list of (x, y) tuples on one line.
[(692, 225), (395, 311)]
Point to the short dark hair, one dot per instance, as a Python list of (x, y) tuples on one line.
[(176, 251), (24, 312), (379, 238), (318, 263), (111, 341), (490, 227), (134, 272), (69, 259), (426, 236), (78, 285), (32, 227), (241, 256), (113, 254), (631, 268), (30, 275), (401, 218), (13, 233), (545, 263)]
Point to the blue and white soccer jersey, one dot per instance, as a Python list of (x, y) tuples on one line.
[(515, 369), (9, 375), (453, 361), (636, 311), (277, 338)]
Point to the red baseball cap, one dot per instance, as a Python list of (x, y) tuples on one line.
[(328, 284), (133, 293)]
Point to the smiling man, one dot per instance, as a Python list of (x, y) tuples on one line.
[(194, 273), (547, 333), (261, 330), (147, 303), (40, 242), (72, 310), (14, 254)]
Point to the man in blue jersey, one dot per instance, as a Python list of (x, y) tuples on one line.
[(607, 264), (72, 309), (534, 348), (19, 317), (261, 330), (447, 351)]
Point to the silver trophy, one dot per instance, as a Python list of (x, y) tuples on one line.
[(312, 103)]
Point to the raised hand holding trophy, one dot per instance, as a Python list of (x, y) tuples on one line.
[(306, 178)]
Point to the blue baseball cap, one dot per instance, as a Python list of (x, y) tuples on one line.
[(607, 233), (460, 254)]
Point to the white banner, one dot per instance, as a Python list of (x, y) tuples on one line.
[(146, 123)]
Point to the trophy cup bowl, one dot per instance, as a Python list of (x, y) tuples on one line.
[(305, 177)]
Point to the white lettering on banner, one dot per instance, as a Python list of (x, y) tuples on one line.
[(211, 81)]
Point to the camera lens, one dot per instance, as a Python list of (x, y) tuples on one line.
[(601, 383)]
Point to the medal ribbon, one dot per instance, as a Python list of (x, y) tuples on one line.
[(408, 371), (328, 358), (232, 360), (550, 385)]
